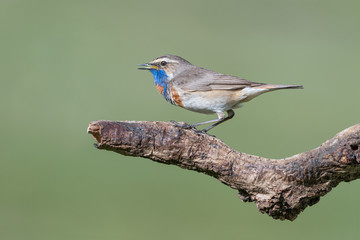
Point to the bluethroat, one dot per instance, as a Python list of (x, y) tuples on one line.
[(201, 90)]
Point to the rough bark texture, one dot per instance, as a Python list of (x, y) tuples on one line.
[(280, 188)]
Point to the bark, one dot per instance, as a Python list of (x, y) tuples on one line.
[(281, 188)]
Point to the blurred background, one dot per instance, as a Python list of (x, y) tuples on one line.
[(66, 63)]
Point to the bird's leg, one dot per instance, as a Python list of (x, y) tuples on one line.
[(221, 119), (205, 122), (188, 126)]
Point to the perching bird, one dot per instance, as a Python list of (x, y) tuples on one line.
[(201, 90)]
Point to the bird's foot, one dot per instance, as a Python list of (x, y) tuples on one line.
[(199, 132), (183, 125), (191, 127), (204, 131)]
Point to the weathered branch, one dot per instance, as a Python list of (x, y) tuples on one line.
[(280, 188)]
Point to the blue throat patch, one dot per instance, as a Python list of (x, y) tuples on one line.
[(160, 79)]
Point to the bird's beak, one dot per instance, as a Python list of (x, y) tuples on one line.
[(146, 66)]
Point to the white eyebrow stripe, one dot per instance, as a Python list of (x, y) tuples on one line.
[(167, 60), (173, 61)]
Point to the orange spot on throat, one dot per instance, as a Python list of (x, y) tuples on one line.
[(160, 89)]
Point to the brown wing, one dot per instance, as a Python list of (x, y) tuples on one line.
[(200, 79)]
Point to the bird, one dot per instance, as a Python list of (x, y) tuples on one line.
[(204, 91)]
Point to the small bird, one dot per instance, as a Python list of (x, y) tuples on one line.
[(201, 90)]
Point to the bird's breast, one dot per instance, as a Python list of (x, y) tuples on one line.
[(204, 101), (160, 88), (175, 97), (210, 101)]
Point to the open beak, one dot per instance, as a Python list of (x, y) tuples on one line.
[(146, 66)]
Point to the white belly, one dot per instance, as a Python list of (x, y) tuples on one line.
[(218, 100)]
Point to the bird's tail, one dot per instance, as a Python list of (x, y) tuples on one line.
[(272, 87)]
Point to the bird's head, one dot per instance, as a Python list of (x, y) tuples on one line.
[(166, 67)]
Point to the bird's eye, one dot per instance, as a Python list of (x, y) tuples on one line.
[(163, 63)]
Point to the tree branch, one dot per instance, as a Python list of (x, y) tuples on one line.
[(281, 188)]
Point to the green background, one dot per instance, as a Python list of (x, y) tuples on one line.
[(66, 63)]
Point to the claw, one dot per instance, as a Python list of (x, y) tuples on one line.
[(204, 131), (182, 125), (191, 127), (200, 132)]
